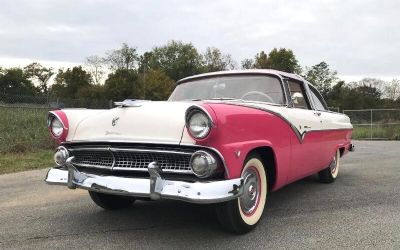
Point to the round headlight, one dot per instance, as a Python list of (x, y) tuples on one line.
[(56, 127), (61, 156), (199, 124), (203, 164)]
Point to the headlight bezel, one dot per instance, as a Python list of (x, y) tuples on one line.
[(212, 167), (61, 155), (191, 114), (59, 127), (51, 120)]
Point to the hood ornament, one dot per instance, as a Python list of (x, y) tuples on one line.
[(131, 103), (114, 121)]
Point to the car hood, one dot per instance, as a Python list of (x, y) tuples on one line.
[(146, 122)]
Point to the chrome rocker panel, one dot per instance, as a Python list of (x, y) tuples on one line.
[(156, 187)]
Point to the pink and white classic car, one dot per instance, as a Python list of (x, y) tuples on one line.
[(227, 138)]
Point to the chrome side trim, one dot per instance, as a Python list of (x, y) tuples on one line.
[(299, 135)]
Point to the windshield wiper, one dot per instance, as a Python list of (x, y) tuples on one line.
[(223, 98), (216, 98)]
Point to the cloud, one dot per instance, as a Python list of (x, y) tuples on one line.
[(354, 37)]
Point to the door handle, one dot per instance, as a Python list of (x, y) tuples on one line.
[(306, 127), (317, 113)]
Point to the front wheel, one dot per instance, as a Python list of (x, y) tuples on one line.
[(111, 202), (329, 174), (242, 215)]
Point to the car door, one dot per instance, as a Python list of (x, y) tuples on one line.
[(327, 134), (305, 120)]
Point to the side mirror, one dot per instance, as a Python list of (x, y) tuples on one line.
[(297, 97)]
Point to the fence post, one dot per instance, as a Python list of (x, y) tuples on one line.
[(371, 124)]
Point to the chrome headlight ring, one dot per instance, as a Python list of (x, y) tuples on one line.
[(198, 122)]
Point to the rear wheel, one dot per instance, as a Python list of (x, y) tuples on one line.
[(242, 215), (329, 174), (111, 202)]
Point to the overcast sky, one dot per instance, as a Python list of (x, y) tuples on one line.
[(357, 38)]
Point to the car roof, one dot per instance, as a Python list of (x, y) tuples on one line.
[(239, 72)]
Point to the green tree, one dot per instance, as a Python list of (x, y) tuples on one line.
[(261, 61), (176, 59), (157, 85), (14, 81), (124, 58), (247, 64), (284, 60), (123, 84), (36, 72), (69, 82), (215, 60), (322, 77)]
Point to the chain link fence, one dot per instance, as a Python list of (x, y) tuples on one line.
[(23, 120), (377, 124)]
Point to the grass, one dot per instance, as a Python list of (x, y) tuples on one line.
[(24, 130), (389, 132), (16, 162), (25, 143)]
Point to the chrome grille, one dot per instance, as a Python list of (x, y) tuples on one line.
[(132, 159)]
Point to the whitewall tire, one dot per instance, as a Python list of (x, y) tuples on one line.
[(242, 215), (329, 174)]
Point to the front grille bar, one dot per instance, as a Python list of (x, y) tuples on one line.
[(132, 159)]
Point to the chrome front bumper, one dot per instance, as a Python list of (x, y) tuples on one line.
[(156, 187)]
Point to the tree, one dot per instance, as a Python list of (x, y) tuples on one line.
[(284, 60), (321, 77), (36, 72), (261, 61), (14, 81), (158, 85), (176, 59), (95, 66), (392, 89), (69, 82), (215, 60), (124, 58), (123, 84), (247, 64)]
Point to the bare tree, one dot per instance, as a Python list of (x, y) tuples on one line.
[(392, 89), (95, 66)]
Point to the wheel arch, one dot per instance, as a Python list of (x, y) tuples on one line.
[(267, 155)]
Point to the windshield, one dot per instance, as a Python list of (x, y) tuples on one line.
[(261, 88)]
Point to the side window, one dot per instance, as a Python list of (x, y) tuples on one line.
[(317, 99), (298, 95)]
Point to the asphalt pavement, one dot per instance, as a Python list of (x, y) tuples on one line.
[(360, 210)]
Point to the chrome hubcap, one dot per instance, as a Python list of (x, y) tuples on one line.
[(249, 199), (333, 165)]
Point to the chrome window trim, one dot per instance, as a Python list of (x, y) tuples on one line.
[(249, 73)]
